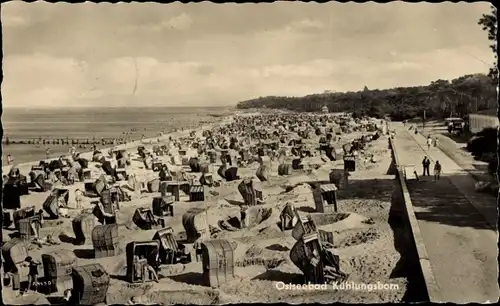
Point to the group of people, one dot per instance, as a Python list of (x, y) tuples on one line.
[(426, 163), (430, 142), (33, 280), (144, 270)]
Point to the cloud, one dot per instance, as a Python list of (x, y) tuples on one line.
[(120, 75), (304, 24), (14, 21), (327, 68), (181, 22), (204, 53), (48, 81), (293, 30), (41, 80)]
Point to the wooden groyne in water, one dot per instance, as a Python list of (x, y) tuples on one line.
[(67, 141), (75, 141)]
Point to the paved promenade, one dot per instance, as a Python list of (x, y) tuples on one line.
[(457, 224)]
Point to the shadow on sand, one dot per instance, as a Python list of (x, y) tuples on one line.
[(191, 278), (277, 247), (67, 239), (279, 276), (234, 202), (84, 253)]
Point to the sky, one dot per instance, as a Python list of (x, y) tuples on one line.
[(205, 54)]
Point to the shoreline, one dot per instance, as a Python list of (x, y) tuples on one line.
[(126, 125), (25, 167)]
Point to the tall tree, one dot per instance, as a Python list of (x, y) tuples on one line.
[(489, 24)]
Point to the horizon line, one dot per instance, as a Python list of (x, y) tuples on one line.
[(125, 106)]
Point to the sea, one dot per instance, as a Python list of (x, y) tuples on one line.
[(92, 123)]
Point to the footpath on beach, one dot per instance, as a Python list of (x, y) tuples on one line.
[(457, 224)]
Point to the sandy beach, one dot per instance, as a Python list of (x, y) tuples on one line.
[(364, 239)]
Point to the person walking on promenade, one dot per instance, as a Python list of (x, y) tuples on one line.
[(426, 165), (436, 142), (429, 142), (437, 170)]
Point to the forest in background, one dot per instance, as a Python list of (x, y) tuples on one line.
[(440, 99)]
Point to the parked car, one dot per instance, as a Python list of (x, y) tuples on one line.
[(449, 120), (456, 126)]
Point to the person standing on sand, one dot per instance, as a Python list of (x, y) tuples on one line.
[(47, 152), (10, 160), (32, 273), (40, 215), (79, 198), (437, 170)]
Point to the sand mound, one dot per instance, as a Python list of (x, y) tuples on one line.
[(254, 251), (172, 269), (131, 291), (184, 297), (121, 267), (294, 181), (268, 232), (353, 220), (367, 267), (323, 219), (316, 160), (27, 299), (359, 238), (300, 189), (256, 215), (256, 255)]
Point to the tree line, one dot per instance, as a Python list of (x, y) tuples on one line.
[(440, 99)]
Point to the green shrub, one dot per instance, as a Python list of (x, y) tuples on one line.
[(483, 142)]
